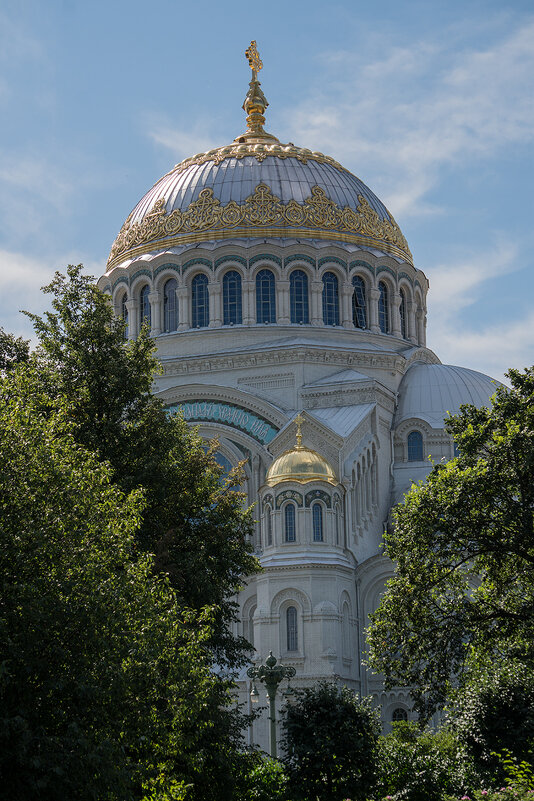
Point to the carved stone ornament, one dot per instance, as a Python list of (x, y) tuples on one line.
[(264, 212)]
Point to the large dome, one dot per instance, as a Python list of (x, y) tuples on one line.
[(257, 187)]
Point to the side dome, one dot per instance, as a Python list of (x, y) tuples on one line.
[(257, 187), (431, 392), (302, 465)]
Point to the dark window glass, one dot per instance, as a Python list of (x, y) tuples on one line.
[(124, 314), (383, 308), (292, 633), (200, 302), (289, 519), (359, 308), (265, 297), (330, 299), (170, 305), (415, 446), (402, 313), (144, 305), (269, 525), (232, 305), (399, 714), (317, 515), (298, 296)]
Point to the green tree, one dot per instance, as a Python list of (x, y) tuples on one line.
[(463, 543), (105, 683), (493, 716), (196, 524), (13, 351), (330, 738)]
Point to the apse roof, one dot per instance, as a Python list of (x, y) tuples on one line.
[(431, 392)]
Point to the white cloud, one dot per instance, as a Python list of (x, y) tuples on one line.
[(420, 108), (181, 142)]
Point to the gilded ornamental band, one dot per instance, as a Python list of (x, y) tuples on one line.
[(263, 211)]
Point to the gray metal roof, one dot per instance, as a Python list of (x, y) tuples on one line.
[(342, 419), (236, 179), (431, 391)]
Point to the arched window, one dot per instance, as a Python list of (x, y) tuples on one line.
[(292, 632), (265, 297), (170, 305), (232, 304), (268, 526), (415, 446), (383, 307), (144, 306), (124, 314), (200, 301), (289, 522), (298, 296), (330, 299), (337, 523), (359, 306), (399, 714), (403, 314), (345, 628), (317, 516)]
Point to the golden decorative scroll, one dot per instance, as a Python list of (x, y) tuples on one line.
[(262, 211), (254, 60)]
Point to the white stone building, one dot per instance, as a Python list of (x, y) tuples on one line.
[(277, 284)]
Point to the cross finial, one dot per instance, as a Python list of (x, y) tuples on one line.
[(254, 60), (299, 421)]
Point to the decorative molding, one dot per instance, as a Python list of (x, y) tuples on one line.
[(317, 217), (122, 280), (238, 259), (226, 414), (198, 260), (259, 151), (288, 495), (146, 272), (263, 257), (318, 495), (331, 260), (268, 382), (167, 266), (300, 257)]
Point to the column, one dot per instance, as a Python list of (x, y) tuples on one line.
[(182, 293), (374, 295), (249, 312), (133, 320), (214, 290), (346, 305), (395, 314), (155, 313), (282, 290), (316, 302)]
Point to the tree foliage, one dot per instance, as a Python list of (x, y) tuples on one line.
[(103, 678), (196, 524), (330, 740), (463, 543), (13, 351)]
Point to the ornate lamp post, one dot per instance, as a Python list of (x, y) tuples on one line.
[(271, 674)]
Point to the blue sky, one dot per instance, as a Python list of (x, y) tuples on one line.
[(430, 103)]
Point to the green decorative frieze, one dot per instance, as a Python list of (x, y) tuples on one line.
[(229, 415)]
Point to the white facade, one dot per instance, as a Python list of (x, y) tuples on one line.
[(345, 346)]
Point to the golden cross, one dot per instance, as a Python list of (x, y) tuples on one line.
[(299, 421), (254, 60)]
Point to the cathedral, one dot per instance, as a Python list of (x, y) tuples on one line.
[(290, 323)]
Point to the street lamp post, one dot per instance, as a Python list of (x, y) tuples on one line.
[(271, 674)]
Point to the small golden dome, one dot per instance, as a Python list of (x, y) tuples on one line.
[(300, 464)]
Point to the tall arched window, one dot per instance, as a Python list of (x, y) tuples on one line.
[(124, 314), (338, 524), (170, 305), (330, 299), (415, 446), (298, 297), (317, 517), (144, 306), (265, 297), (383, 307), (403, 314), (399, 714), (232, 304), (200, 301), (292, 631), (345, 628), (359, 307), (268, 526), (289, 522)]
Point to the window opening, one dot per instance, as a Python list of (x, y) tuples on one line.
[(200, 302), (265, 297), (359, 307), (415, 446), (317, 515), (232, 302), (402, 313), (144, 306), (298, 296), (291, 625), (383, 308), (170, 305), (330, 299), (289, 520)]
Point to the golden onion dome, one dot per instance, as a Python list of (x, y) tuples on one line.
[(300, 464)]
